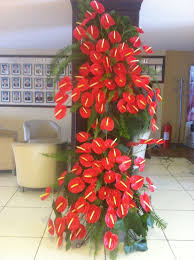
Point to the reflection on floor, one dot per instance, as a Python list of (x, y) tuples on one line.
[(23, 218), (176, 150)]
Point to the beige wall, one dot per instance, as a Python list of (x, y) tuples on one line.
[(177, 66), (13, 117)]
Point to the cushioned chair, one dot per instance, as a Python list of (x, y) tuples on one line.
[(7, 137), (41, 131)]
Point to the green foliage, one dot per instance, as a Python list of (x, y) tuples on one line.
[(160, 223), (83, 5), (113, 254), (75, 107), (61, 156)]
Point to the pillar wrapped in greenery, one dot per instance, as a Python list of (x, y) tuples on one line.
[(102, 199)]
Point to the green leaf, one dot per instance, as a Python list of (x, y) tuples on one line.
[(68, 244), (75, 107), (124, 149)]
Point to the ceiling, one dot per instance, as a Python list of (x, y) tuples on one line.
[(46, 24)]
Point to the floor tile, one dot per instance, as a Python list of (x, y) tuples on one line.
[(181, 170), (49, 251), (186, 182), (180, 224), (5, 194), (8, 180), (191, 193), (11, 248), (29, 198), (172, 200), (166, 183), (183, 250), (23, 222), (155, 233), (155, 170)]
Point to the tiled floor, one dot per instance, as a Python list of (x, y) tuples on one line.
[(24, 217)]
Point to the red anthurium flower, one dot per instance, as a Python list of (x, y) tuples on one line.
[(122, 210), (150, 96), (107, 164), (131, 60), (100, 108), (113, 154), (140, 162), (60, 111), (65, 84), (135, 71), (107, 64), (90, 15), (61, 97), (95, 57), (93, 31), (61, 178), (124, 161), (102, 45), (139, 30), (137, 51), (81, 205), (59, 226), (114, 37), (78, 234), (135, 41), (107, 124), (96, 82), (121, 105), (158, 96), (114, 198), (82, 85), (119, 69), (98, 7), (98, 145), (123, 49), (93, 214), (76, 185), (90, 193), (83, 148), (110, 217), (115, 97), (120, 80), (100, 96), (152, 108), (132, 204), (159, 141), (109, 143), (84, 69), (145, 202), (75, 95), (147, 49), (115, 54), (110, 240), (130, 99), (132, 108), (82, 137), (79, 33), (95, 124), (141, 101), (109, 177), (109, 83), (127, 196), (85, 112), (76, 169), (107, 21), (151, 186), (136, 182), (72, 221), (87, 47), (153, 125), (90, 176), (148, 141), (133, 144), (86, 160), (59, 241), (61, 204), (97, 69), (97, 165), (103, 192), (121, 184), (51, 229), (87, 99), (46, 194)]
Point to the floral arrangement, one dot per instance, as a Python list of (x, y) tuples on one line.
[(103, 197)]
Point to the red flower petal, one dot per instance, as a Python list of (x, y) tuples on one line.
[(93, 214), (135, 41), (141, 101), (46, 194), (97, 69), (120, 80), (145, 202), (84, 69), (86, 47), (95, 57), (120, 69), (130, 99), (98, 145), (110, 218), (97, 165), (107, 164), (60, 111), (83, 148), (110, 240), (124, 161), (82, 85), (103, 192), (75, 95), (85, 112), (122, 210), (100, 96), (132, 108), (59, 241), (107, 124), (107, 64), (87, 99), (90, 15), (114, 37), (152, 108), (60, 204), (109, 83), (121, 184), (139, 30), (113, 154), (65, 84), (102, 45), (61, 178), (81, 205), (100, 108), (82, 137), (114, 198), (150, 96), (153, 125), (147, 49), (96, 82), (109, 177), (109, 143), (86, 160), (76, 169), (72, 221), (51, 227), (61, 97), (79, 33), (79, 233), (98, 7), (115, 54), (121, 105), (137, 182), (140, 162), (107, 21), (90, 193), (60, 226), (127, 196), (89, 176), (76, 185), (158, 96), (93, 31), (151, 186)]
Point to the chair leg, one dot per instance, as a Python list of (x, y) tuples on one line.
[(21, 189)]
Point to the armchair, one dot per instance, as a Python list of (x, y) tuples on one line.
[(41, 131)]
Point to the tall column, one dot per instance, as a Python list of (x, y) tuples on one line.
[(129, 8)]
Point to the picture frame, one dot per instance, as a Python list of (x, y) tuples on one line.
[(15, 69), (38, 69), (49, 97), (39, 97), (27, 96), (5, 96), (5, 83), (38, 83), (16, 96), (27, 83), (16, 83), (27, 69), (4, 68)]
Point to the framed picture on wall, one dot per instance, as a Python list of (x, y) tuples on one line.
[(38, 70), (5, 96), (5, 83), (49, 97), (27, 96), (15, 69), (4, 69), (16, 82), (16, 96), (39, 97), (27, 69), (27, 83)]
